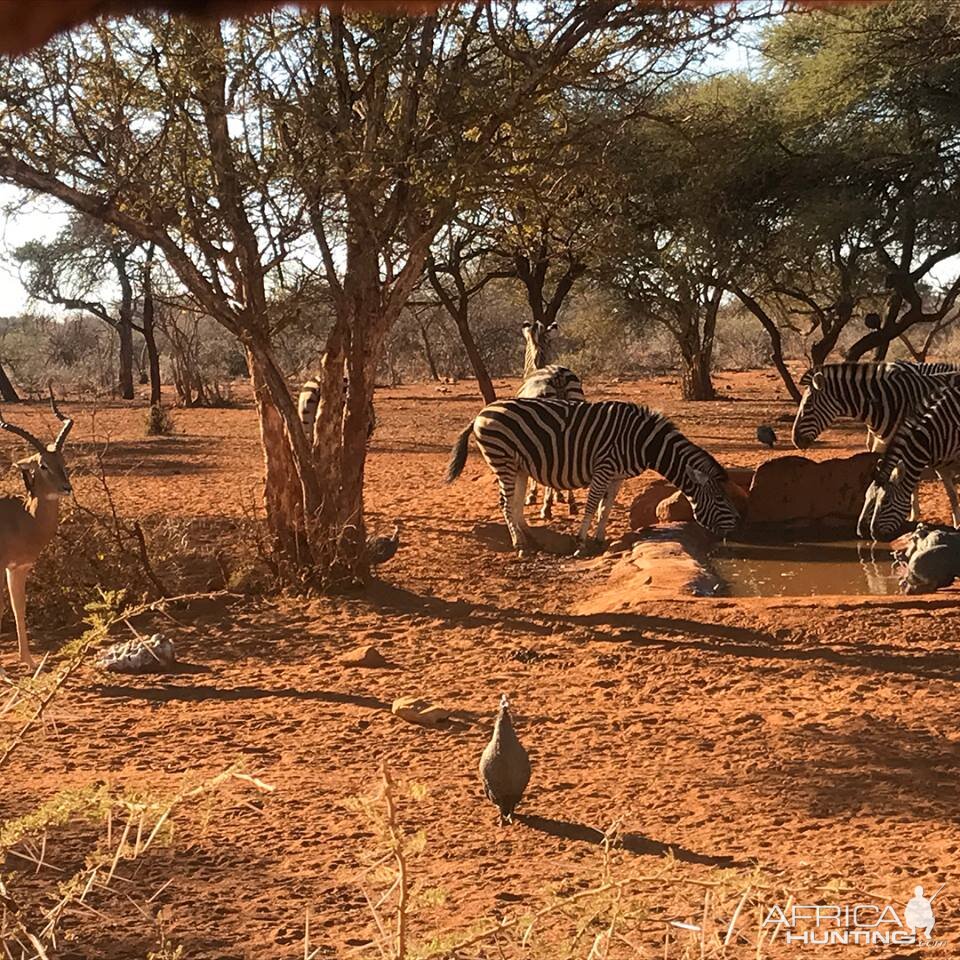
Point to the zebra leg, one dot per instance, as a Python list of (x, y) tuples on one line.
[(512, 490), (572, 504), (949, 484), (531, 494), (596, 493), (549, 495), (605, 506)]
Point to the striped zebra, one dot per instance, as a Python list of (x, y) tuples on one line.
[(930, 438), (550, 381), (597, 445), (880, 395), (309, 402)]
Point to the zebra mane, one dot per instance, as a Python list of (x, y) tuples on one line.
[(882, 367), (704, 459)]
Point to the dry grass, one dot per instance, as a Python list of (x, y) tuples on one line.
[(616, 912)]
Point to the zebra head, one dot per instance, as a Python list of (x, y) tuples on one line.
[(819, 407), (538, 335), (886, 504), (705, 486)]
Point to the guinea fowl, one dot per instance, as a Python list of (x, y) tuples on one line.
[(766, 436), (381, 549), (504, 765)]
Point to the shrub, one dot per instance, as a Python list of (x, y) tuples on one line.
[(160, 422)]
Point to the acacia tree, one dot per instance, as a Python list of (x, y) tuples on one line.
[(868, 110), (71, 271), (231, 148)]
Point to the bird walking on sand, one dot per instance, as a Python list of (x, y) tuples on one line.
[(504, 765), (766, 435)]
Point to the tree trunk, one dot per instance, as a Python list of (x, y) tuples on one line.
[(428, 352), (125, 333), (476, 360), (8, 392), (290, 490), (695, 381), (776, 340), (149, 332)]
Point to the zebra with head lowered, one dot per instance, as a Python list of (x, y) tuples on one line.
[(597, 445), (541, 378), (930, 438), (880, 395)]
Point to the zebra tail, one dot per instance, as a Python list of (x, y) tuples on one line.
[(458, 455)]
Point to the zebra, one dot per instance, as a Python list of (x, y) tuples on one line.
[(929, 438), (309, 401), (880, 395), (548, 380), (597, 445)]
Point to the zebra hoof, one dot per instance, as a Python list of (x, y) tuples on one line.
[(573, 508), (590, 548)]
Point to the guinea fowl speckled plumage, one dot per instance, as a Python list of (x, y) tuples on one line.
[(766, 435), (382, 549), (504, 765)]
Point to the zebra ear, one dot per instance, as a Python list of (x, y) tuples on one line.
[(896, 474), (816, 381), (697, 476), (526, 325), (552, 327)]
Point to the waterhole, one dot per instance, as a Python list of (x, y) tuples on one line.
[(803, 569)]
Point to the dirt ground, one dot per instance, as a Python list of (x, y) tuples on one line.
[(817, 741)]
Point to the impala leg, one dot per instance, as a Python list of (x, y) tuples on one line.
[(17, 585)]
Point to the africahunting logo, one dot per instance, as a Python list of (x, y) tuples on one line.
[(863, 924)]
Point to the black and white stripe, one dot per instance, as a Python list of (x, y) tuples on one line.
[(879, 395), (930, 438), (541, 378), (597, 445), (308, 402)]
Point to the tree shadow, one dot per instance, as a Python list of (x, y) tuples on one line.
[(635, 843), (679, 633)]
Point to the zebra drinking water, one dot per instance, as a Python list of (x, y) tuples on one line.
[(552, 381), (881, 395), (597, 445), (930, 438)]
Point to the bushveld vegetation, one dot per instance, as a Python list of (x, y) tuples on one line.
[(385, 200), (388, 186)]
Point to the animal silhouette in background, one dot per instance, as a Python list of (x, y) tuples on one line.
[(504, 765), (766, 436), (29, 523)]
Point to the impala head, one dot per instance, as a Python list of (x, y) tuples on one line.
[(705, 486), (886, 504), (45, 473), (819, 407)]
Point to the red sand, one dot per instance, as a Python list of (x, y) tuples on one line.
[(819, 738)]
